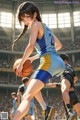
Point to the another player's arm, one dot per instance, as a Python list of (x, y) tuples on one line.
[(35, 109), (11, 109), (19, 98), (19, 93), (75, 79), (53, 85), (74, 76), (57, 43)]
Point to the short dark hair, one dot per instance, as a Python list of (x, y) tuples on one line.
[(25, 79), (13, 93), (64, 57)]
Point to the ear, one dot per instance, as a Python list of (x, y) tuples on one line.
[(35, 14)]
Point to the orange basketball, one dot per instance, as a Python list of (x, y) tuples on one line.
[(27, 67)]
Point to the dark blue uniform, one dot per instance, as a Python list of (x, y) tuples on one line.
[(69, 74)]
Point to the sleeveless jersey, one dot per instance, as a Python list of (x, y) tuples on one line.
[(46, 44)]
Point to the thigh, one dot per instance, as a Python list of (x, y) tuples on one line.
[(33, 88), (65, 85)]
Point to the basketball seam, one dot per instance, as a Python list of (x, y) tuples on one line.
[(26, 68)]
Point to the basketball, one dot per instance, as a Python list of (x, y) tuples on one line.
[(27, 67)]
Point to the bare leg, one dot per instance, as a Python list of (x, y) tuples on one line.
[(77, 108), (39, 98), (65, 87), (41, 101), (33, 88)]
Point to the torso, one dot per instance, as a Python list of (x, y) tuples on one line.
[(15, 103), (45, 40), (41, 30)]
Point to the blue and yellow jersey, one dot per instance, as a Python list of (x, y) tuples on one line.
[(46, 44), (50, 62)]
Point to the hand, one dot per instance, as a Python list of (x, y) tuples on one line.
[(30, 59), (19, 70)]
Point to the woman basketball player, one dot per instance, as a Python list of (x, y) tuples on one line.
[(46, 45)]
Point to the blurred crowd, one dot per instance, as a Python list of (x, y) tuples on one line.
[(20, 46), (70, 45), (52, 99), (5, 44), (76, 63), (9, 80), (5, 63), (5, 102)]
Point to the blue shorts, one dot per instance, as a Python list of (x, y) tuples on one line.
[(50, 65)]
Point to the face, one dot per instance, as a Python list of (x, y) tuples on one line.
[(26, 83), (27, 20), (13, 96)]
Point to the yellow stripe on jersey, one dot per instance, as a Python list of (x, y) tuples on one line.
[(46, 62)]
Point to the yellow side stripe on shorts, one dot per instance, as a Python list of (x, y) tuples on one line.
[(46, 61)]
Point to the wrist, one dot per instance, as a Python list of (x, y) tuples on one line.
[(58, 85)]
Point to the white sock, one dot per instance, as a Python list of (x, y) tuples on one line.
[(43, 105)]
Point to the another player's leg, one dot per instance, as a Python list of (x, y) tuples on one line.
[(65, 87), (77, 108)]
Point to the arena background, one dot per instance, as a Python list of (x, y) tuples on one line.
[(63, 17)]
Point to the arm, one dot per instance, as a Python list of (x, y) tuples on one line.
[(57, 43), (58, 85), (74, 76), (11, 109), (18, 98), (75, 79), (51, 85), (19, 93), (34, 57), (32, 40), (35, 109)]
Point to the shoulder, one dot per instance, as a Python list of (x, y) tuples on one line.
[(36, 25), (16, 99), (69, 65), (21, 88)]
